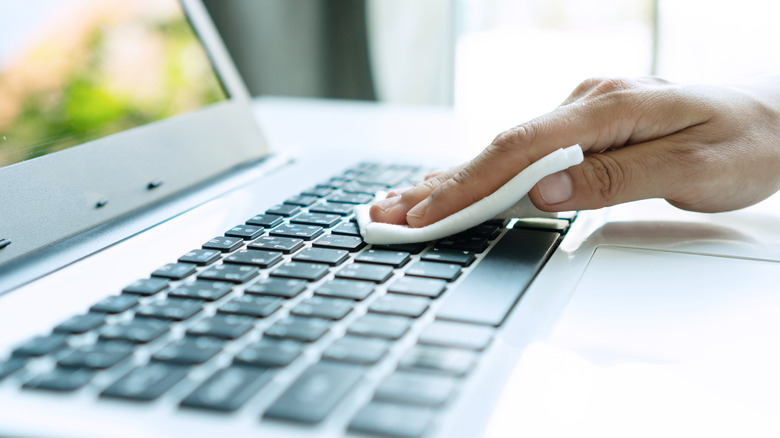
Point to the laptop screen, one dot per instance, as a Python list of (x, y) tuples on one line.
[(72, 71)]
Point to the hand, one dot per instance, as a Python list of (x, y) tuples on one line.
[(702, 148)]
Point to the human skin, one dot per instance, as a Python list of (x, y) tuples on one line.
[(703, 148)]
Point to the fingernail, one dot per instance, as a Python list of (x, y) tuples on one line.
[(419, 209), (556, 188), (387, 204)]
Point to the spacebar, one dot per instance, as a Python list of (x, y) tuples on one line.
[(488, 294)]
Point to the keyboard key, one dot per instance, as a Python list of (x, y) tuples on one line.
[(265, 220), (464, 243), (11, 366), (224, 243), (395, 259), (233, 273), (138, 331), (462, 258), (353, 349), (316, 392), (444, 271), (458, 335), (401, 305), (246, 232), (380, 326), (279, 287), (351, 198), (202, 290), (349, 243), (330, 208), (223, 326), (368, 189), (284, 245), (413, 248), (320, 219), (101, 355), (60, 379), (347, 229), (299, 329), (115, 304), (80, 323), (391, 420), (149, 286), (228, 389), (201, 257), (301, 200), (255, 306), (189, 351), (361, 271), (487, 230), (175, 271), (439, 360), (305, 232), (426, 287), (173, 309), (322, 307), (254, 257), (268, 352), (331, 257), (417, 389), (303, 271), (147, 382), (336, 182), (319, 191), (350, 289), (387, 177), (41, 345), (285, 210), (543, 224)]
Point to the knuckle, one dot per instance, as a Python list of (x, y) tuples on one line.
[(605, 178), (613, 85), (518, 136)]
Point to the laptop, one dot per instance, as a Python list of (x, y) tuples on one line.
[(165, 273)]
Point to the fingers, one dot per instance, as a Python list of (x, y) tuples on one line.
[(393, 209)]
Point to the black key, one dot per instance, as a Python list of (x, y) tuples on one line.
[(269, 352), (41, 345), (487, 230), (543, 224), (488, 294), (254, 257), (320, 219), (246, 232), (233, 273), (172, 309), (350, 289), (115, 304), (279, 287), (347, 229), (322, 307), (357, 350), (228, 389), (316, 392), (255, 306), (80, 323), (458, 335), (380, 326), (301, 200), (439, 360), (387, 177), (401, 305), (414, 248), (284, 245), (201, 257), (464, 243), (459, 257), (139, 331), (417, 389), (11, 366), (351, 198), (285, 210), (332, 208), (303, 271), (265, 220), (60, 379), (189, 351), (202, 290), (368, 189), (395, 259), (349, 243), (426, 287), (175, 271), (149, 286), (224, 243), (336, 182), (299, 329), (101, 355), (361, 271), (147, 382), (392, 420), (223, 326), (331, 257), (319, 191), (305, 232), (444, 271)]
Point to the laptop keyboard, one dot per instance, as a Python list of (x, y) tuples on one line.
[(296, 284)]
